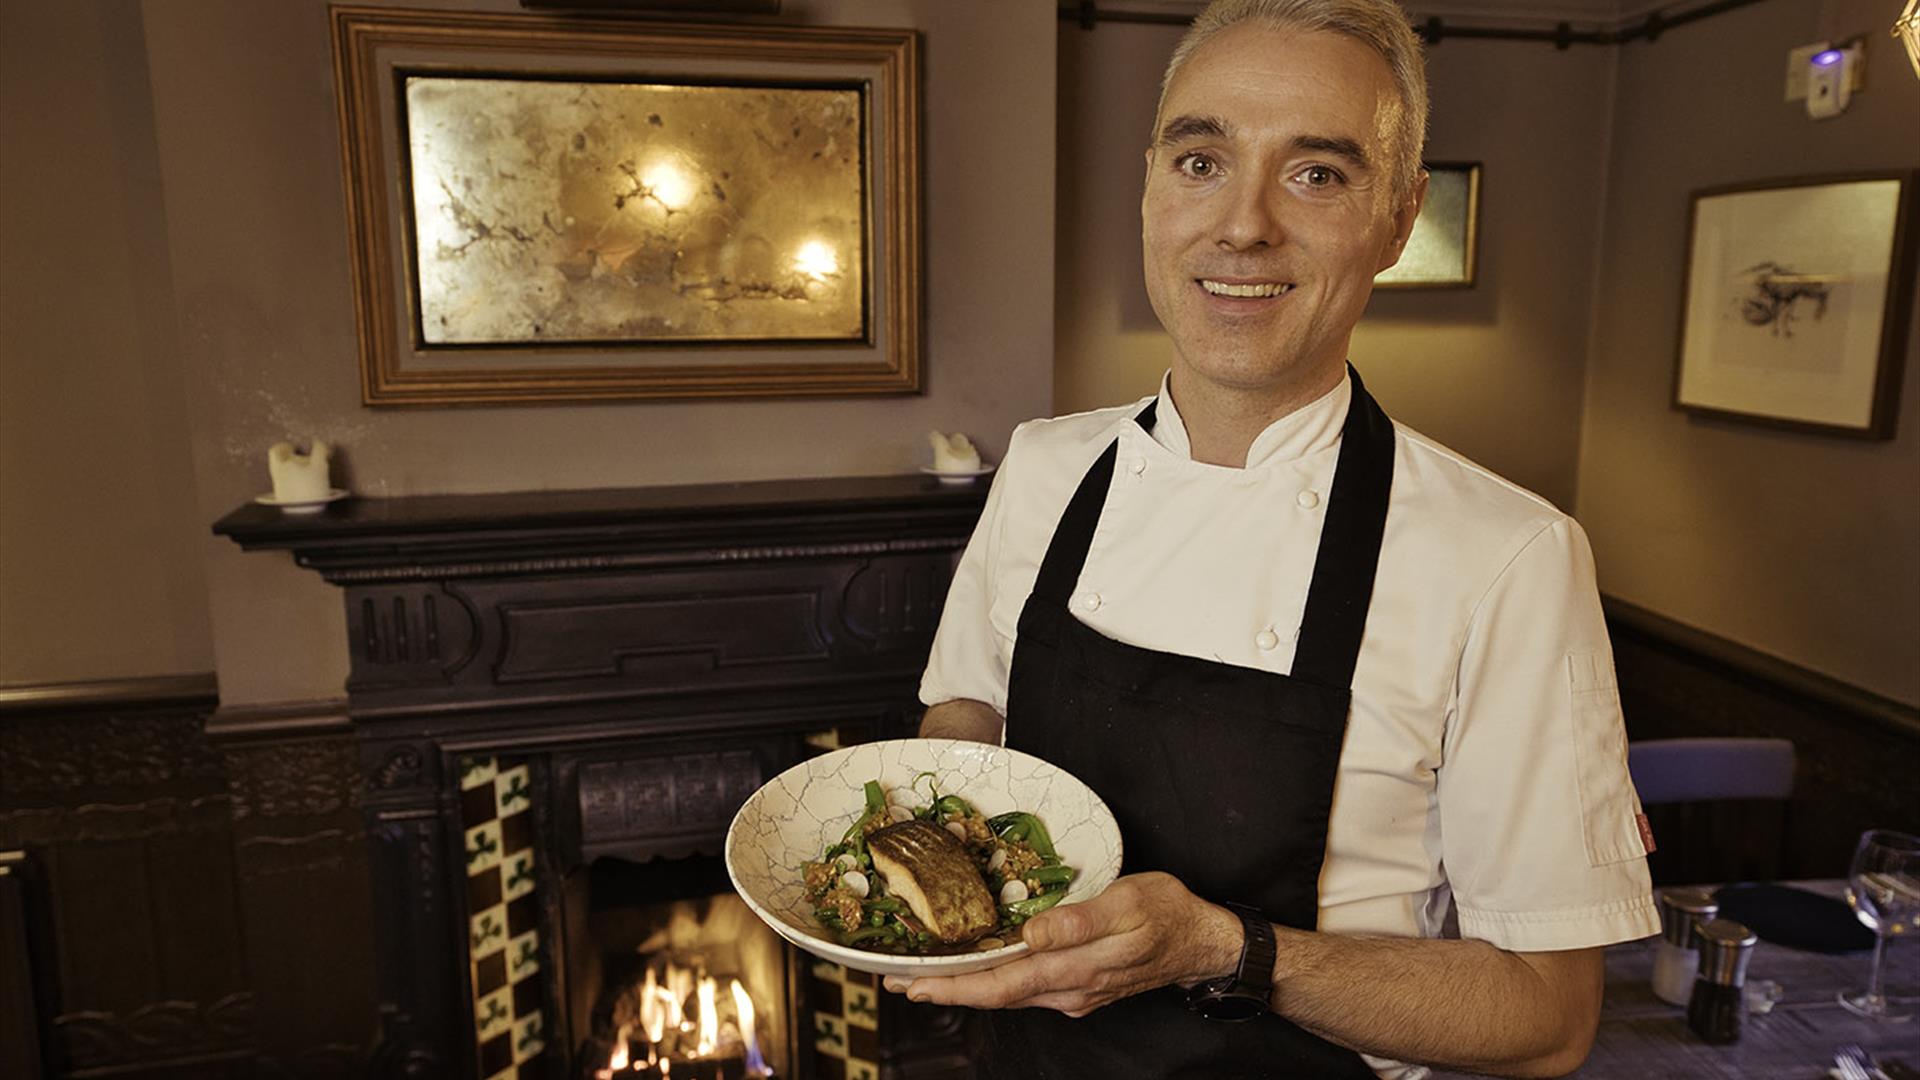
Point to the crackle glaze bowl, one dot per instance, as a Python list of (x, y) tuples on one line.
[(797, 814)]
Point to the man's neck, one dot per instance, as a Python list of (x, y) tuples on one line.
[(1223, 421)]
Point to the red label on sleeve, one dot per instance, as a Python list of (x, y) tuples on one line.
[(1646, 832)]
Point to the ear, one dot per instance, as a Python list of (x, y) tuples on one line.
[(1403, 219)]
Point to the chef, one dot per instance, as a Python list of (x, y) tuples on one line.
[(1349, 695)]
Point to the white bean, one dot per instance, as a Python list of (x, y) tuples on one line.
[(958, 829), (856, 883), (1013, 892), (899, 813), (999, 859), (987, 943), (846, 861)]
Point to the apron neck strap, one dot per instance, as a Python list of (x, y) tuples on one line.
[(1343, 568), (1067, 553)]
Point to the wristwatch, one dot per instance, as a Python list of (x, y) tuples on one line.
[(1247, 992)]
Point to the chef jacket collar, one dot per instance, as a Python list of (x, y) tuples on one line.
[(1309, 429)]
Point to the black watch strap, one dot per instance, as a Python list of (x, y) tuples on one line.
[(1246, 993)]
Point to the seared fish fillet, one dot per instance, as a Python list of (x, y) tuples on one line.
[(929, 869)]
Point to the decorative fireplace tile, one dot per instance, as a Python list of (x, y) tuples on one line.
[(846, 1023), (503, 946)]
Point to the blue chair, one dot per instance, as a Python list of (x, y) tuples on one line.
[(1700, 770), (1717, 807)]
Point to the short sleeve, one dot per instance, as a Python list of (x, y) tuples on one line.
[(968, 660), (1540, 827)]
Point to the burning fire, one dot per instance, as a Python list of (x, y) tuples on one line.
[(707, 1043)]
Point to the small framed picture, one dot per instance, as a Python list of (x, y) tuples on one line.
[(1440, 253), (1798, 296)]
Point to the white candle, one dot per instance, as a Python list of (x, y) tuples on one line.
[(299, 477), (953, 453)]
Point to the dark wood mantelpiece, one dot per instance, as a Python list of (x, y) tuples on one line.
[(363, 539), (435, 583)]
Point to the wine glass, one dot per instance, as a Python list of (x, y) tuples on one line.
[(1883, 886)]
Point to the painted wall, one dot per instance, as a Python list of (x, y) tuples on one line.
[(1494, 372), (100, 572), (1803, 546), (257, 239)]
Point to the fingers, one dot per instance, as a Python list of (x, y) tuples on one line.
[(1008, 986)]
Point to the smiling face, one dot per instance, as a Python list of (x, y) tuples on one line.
[(1269, 207)]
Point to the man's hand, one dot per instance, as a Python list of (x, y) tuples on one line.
[(1145, 931)]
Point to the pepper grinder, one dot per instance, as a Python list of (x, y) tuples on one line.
[(1718, 1005), (1677, 960)]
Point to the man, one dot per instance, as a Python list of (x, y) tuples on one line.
[(1337, 683)]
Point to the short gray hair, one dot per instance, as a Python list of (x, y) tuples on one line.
[(1379, 24)]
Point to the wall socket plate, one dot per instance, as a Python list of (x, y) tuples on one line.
[(1799, 59)]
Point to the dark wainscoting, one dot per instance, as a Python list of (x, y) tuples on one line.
[(133, 932), (183, 891), (1857, 753)]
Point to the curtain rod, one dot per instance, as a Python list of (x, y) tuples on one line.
[(1434, 29)]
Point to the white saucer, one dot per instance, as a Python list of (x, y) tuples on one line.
[(965, 476), (302, 506)]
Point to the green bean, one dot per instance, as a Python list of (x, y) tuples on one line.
[(1034, 905), (1050, 875), (1020, 825)]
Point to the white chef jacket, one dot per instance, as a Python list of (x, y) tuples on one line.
[(1485, 759)]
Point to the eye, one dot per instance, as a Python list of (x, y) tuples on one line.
[(1195, 165), (1321, 176)]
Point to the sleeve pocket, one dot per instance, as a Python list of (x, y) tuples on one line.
[(1609, 809)]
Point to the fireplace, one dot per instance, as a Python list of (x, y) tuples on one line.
[(560, 699)]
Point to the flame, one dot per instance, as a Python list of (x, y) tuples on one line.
[(680, 1011), (709, 1019), (619, 1058), (749, 1033)]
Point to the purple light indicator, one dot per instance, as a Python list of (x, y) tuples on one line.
[(1828, 58)]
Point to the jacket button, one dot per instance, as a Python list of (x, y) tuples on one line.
[(1091, 601), (1137, 466), (1266, 639), (1308, 499)]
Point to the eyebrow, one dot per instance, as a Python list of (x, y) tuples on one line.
[(1182, 128), (1339, 146)]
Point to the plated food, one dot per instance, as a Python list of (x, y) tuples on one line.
[(796, 817), (933, 875)]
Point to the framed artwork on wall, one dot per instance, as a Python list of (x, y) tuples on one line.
[(1446, 236), (1797, 299), (549, 208)]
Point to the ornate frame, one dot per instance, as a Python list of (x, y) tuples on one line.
[(372, 47)]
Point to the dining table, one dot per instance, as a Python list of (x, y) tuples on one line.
[(1641, 1037)]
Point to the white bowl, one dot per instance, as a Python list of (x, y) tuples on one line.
[(797, 814)]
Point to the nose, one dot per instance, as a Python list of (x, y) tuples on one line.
[(1249, 218)]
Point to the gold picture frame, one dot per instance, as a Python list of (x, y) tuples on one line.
[(1443, 251), (561, 209)]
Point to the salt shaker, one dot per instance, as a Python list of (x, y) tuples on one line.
[(1718, 1006), (1678, 958)]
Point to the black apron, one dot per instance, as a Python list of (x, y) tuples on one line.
[(1220, 775)]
